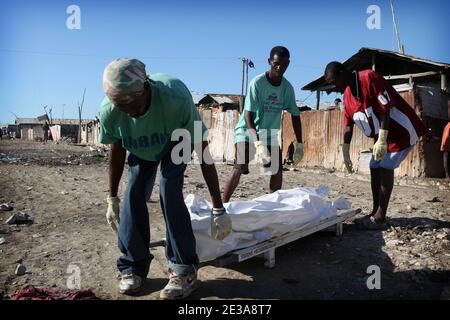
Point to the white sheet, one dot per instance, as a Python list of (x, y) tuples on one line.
[(260, 219)]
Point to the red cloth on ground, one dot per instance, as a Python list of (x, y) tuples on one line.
[(33, 293)]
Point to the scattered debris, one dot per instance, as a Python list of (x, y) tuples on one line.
[(5, 158), (19, 218), (20, 270), (2, 240), (6, 207)]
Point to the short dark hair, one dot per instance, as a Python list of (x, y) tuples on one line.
[(334, 68), (279, 51), (338, 100)]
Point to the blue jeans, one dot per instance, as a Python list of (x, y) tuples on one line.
[(134, 229)]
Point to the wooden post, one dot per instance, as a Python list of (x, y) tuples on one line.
[(318, 100)]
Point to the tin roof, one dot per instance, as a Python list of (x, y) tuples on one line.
[(387, 63)]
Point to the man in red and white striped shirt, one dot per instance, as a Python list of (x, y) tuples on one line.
[(374, 106)]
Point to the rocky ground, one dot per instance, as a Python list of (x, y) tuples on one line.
[(63, 187)]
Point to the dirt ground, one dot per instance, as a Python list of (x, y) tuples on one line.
[(65, 187)]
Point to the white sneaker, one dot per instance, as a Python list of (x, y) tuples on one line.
[(179, 287), (130, 283)]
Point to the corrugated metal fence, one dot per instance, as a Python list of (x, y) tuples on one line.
[(322, 135)]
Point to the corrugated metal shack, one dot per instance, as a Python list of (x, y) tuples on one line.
[(422, 83), (90, 132), (220, 114), (221, 132)]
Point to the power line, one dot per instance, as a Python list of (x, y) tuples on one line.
[(71, 54)]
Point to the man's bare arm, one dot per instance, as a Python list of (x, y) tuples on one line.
[(117, 156), (210, 175), (250, 124)]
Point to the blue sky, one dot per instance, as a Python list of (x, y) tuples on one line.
[(42, 62)]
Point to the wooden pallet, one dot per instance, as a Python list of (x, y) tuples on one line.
[(266, 249)]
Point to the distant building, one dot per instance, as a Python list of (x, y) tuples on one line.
[(220, 102), (197, 97), (31, 128)]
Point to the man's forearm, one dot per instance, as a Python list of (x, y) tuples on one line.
[(297, 125), (250, 124), (384, 120), (117, 156), (210, 175)]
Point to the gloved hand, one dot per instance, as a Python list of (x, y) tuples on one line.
[(298, 153), (113, 212), (346, 153), (262, 154), (380, 147), (220, 224)]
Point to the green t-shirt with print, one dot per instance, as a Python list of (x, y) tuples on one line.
[(149, 136), (267, 102)]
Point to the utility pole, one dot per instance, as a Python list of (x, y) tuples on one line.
[(241, 107), (401, 48), (245, 64)]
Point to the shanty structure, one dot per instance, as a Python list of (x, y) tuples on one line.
[(197, 97), (90, 132), (31, 128), (220, 102), (422, 83)]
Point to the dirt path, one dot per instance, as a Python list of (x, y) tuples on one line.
[(65, 189)]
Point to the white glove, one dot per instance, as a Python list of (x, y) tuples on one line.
[(220, 224), (346, 153), (113, 213), (380, 147), (262, 154), (298, 153)]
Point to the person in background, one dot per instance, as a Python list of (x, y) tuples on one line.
[(256, 134), (381, 113), (45, 127), (445, 148)]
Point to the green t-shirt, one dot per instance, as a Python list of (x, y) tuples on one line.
[(149, 136), (267, 102)]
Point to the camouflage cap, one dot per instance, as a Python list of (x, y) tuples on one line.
[(123, 80)]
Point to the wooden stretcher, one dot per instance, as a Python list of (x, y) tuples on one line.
[(266, 249)]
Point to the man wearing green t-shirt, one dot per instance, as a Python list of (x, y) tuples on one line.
[(140, 114), (257, 130)]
